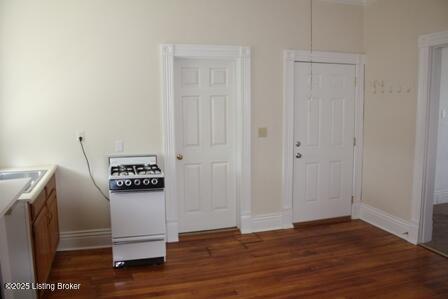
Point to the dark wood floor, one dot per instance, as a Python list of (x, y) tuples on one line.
[(345, 260), (439, 240)]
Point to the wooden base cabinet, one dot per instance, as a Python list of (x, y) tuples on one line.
[(41, 239), (53, 225), (45, 230)]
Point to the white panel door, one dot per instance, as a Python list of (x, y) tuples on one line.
[(205, 104), (323, 144)]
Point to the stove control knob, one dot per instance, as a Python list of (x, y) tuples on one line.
[(146, 182), (154, 181), (128, 183), (137, 182), (119, 183)]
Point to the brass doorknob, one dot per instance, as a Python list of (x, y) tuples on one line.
[(179, 156)]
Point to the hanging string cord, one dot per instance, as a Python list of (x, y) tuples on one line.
[(311, 26), (311, 46)]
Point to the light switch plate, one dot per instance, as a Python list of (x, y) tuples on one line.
[(119, 146), (262, 132)]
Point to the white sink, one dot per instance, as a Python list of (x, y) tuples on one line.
[(33, 175)]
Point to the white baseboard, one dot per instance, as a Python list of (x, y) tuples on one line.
[(390, 223), (172, 231), (101, 238), (246, 224), (85, 239), (287, 218), (440, 196), (356, 210), (265, 222)]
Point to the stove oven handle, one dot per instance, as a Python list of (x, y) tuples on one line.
[(140, 240)]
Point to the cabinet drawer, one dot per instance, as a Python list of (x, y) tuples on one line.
[(50, 187), (37, 205)]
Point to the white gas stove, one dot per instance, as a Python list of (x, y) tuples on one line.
[(137, 205)]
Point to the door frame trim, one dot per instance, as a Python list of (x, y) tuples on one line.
[(242, 59), (289, 58), (425, 129)]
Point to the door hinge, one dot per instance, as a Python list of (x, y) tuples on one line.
[(353, 199), (354, 141)]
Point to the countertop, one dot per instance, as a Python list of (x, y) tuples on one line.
[(9, 192), (31, 196)]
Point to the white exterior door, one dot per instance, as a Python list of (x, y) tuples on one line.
[(205, 145), (324, 139)]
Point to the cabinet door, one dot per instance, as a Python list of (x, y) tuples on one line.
[(42, 257), (53, 226)]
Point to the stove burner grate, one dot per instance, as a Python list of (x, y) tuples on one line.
[(138, 169)]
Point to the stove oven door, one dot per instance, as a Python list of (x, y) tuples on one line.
[(137, 214)]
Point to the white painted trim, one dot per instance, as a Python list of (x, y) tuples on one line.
[(172, 231), (289, 57), (437, 39), (423, 178), (242, 58), (85, 239), (208, 51), (356, 210), (102, 238), (347, 2), (440, 196), (390, 223), (288, 136), (246, 224), (267, 222), (358, 150)]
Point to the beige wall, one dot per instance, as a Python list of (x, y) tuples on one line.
[(391, 31), (83, 64), (70, 65)]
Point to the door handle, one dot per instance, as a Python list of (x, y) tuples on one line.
[(179, 156), (298, 155)]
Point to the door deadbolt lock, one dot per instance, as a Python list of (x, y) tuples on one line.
[(298, 155), (298, 143), (179, 156)]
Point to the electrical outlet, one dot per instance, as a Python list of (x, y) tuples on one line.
[(80, 134)]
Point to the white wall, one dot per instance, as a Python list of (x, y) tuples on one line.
[(391, 30), (94, 65), (441, 180)]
